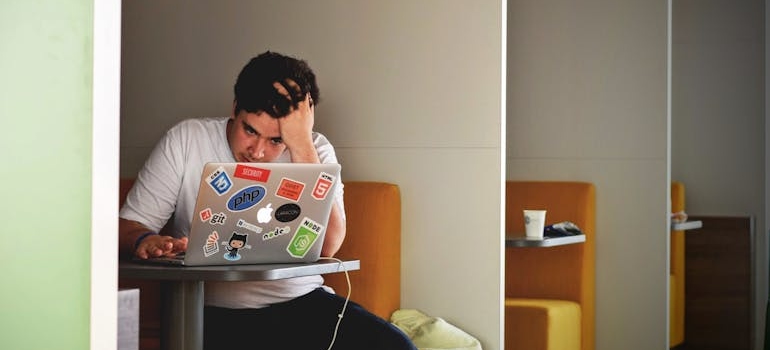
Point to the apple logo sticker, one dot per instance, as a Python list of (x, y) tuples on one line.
[(264, 214), (287, 212)]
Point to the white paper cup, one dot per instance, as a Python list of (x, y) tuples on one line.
[(534, 223)]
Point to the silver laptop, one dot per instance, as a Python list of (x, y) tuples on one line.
[(257, 213)]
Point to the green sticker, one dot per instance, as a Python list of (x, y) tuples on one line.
[(303, 239)]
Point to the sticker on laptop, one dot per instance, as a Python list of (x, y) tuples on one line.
[(218, 219), (322, 186), (205, 214), (236, 242), (219, 181), (249, 226), (287, 212), (304, 238), (265, 214), (212, 244), (278, 231), (290, 189), (251, 173), (246, 198)]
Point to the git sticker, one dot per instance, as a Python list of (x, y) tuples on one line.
[(290, 189), (307, 233), (205, 214), (322, 186), (219, 181)]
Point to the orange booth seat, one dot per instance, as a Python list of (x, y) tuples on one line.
[(676, 278), (373, 212), (550, 291)]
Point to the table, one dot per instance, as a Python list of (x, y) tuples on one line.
[(519, 240), (183, 290)]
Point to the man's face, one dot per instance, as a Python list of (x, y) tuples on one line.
[(254, 137)]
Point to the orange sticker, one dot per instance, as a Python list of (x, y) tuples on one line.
[(290, 189)]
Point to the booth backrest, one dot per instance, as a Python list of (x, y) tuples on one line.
[(373, 212), (563, 272)]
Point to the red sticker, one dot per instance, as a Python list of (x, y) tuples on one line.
[(290, 189), (322, 186), (205, 214), (251, 173)]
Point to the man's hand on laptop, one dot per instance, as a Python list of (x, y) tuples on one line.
[(159, 246)]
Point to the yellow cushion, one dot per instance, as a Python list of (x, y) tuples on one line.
[(542, 324)]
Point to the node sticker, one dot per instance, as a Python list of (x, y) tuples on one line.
[(290, 189), (219, 181), (251, 173), (306, 235), (278, 231), (322, 186)]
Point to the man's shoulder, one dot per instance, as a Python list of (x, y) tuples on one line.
[(198, 127), (204, 123)]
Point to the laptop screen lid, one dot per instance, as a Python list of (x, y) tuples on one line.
[(254, 213)]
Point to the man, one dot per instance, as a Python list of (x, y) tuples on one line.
[(272, 121)]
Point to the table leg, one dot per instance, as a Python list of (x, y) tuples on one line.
[(182, 315)]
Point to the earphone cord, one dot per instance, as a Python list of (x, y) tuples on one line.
[(344, 306)]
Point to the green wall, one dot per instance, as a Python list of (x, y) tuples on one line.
[(45, 177)]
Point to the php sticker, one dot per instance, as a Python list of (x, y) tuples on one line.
[(306, 235), (219, 181), (290, 189), (246, 198), (322, 186)]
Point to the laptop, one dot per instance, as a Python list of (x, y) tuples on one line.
[(259, 213)]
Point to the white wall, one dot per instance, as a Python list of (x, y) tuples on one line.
[(411, 94), (719, 118), (587, 100)]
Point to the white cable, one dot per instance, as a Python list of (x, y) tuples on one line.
[(345, 305)]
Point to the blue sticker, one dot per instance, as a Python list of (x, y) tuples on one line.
[(219, 181), (246, 198)]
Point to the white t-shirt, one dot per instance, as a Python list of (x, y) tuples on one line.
[(167, 187)]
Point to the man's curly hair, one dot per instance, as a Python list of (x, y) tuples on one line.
[(254, 90)]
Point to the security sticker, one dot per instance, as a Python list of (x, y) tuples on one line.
[(251, 227), (306, 235), (251, 173), (212, 244), (219, 181), (322, 186), (290, 189)]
